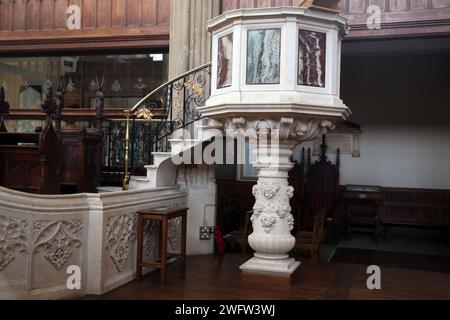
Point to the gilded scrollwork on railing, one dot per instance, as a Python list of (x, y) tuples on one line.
[(57, 240), (12, 239), (172, 106)]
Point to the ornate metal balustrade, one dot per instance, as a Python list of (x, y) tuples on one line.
[(151, 122)]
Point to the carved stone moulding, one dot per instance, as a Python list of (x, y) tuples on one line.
[(280, 129)]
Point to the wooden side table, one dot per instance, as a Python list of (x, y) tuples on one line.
[(163, 215)]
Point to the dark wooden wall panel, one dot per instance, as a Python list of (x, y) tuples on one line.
[(398, 18), (89, 14), (356, 6), (134, 10), (163, 12), (41, 24), (441, 3), (32, 15), (419, 4), (398, 5), (19, 16), (119, 13), (6, 16), (60, 15), (46, 14), (103, 13), (149, 11)]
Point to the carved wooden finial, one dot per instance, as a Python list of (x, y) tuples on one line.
[(302, 161), (323, 148), (4, 106), (327, 5), (99, 104), (308, 159), (49, 106), (59, 100), (338, 158)]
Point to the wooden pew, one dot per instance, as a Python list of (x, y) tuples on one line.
[(57, 160), (29, 162)]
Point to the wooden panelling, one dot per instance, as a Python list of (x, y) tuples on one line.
[(440, 3), (46, 15), (119, 10), (134, 10), (31, 15), (5, 16), (104, 13), (380, 3), (19, 17), (163, 12), (398, 5), (398, 17), (419, 4), (142, 22), (356, 6), (89, 14), (60, 15), (416, 207), (235, 4), (149, 12)]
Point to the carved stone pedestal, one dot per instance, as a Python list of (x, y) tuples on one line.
[(273, 142), (272, 219)]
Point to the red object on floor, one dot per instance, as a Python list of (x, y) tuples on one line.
[(220, 248)]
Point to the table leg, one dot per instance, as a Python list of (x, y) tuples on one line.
[(140, 239), (164, 227)]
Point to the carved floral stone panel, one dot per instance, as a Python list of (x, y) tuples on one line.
[(120, 233), (263, 56), (225, 61), (272, 203), (311, 58), (57, 240), (12, 239)]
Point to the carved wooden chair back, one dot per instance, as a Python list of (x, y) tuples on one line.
[(319, 222), (322, 182)]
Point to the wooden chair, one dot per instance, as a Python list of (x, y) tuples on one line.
[(310, 241), (240, 237)]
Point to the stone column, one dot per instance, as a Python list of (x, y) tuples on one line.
[(190, 42), (272, 218)]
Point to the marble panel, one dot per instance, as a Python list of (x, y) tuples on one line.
[(263, 56)]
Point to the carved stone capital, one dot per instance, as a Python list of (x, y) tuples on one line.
[(292, 130)]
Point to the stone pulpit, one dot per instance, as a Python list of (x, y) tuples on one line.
[(275, 80)]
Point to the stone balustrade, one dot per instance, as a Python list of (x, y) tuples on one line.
[(42, 236)]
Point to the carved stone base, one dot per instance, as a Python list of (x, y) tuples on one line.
[(273, 267), (262, 272)]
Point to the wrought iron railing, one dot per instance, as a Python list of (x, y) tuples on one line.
[(152, 121)]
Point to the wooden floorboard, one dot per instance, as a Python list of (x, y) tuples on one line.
[(217, 278)]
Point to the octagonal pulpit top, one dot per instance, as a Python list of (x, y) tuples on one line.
[(283, 59)]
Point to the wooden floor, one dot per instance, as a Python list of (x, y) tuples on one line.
[(217, 278)]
